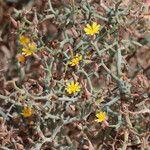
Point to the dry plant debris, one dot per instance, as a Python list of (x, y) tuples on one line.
[(74, 75)]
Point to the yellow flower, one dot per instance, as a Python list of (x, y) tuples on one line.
[(21, 58), (92, 29), (101, 116), (29, 49), (27, 111), (73, 87), (24, 40), (75, 61)]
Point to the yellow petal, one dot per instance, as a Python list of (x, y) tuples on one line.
[(88, 26)]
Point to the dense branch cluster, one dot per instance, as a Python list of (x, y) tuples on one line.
[(74, 74)]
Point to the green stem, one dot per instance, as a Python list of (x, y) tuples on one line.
[(88, 79)]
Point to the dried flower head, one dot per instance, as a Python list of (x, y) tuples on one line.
[(73, 87), (101, 116), (92, 29), (21, 58), (27, 111)]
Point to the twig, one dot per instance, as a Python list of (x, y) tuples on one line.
[(126, 138), (119, 60), (114, 100), (100, 52), (50, 7), (88, 79), (139, 112)]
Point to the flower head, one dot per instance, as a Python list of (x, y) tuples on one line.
[(75, 60), (92, 29), (27, 111), (24, 40), (21, 58), (29, 49), (101, 116), (73, 87)]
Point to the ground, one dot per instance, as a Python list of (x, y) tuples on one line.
[(74, 75)]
